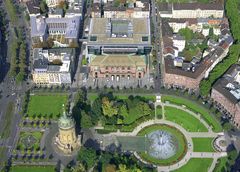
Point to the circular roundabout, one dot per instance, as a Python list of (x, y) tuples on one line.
[(165, 144)]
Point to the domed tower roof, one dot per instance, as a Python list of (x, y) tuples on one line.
[(65, 122)]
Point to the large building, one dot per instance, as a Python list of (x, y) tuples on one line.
[(53, 66), (119, 36), (117, 66), (118, 47), (64, 31), (226, 94), (191, 10)]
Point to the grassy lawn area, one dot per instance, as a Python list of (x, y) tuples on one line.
[(211, 120), (29, 140), (159, 112), (189, 122), (5, 133), (182, 147), (46, 105), (23, 168), (203, 144), (196, 165)]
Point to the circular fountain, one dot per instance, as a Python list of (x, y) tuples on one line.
[(162, 144)]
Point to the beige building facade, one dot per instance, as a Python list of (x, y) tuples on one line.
[(66, 139)]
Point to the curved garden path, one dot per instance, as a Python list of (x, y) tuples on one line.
[(188, 135)]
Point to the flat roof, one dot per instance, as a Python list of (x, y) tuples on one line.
[(141, 28)]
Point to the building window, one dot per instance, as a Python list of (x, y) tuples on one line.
[(145, 38), (93, 38), (128, 68)]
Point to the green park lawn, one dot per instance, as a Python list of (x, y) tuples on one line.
[(203, 145), (196, 165), (211, 120), (186, 120), (182, 147), (46, 105), (24, 168), (159, 112)]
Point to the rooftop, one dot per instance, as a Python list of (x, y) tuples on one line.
[(52, 60), (130, 31), (168, 7), (118, 60), (33, 6), (229, 84)]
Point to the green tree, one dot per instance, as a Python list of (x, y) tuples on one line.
[(108, 108), (88, 157), (145, 108), (232, 11), (227, 126), (43, 7), (123, 168), (97, 108), (220, 69), (86, 121), (20, 77), (79, 168), (123, 111), (186, 33)]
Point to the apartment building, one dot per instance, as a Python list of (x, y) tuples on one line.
[(53, 66), (226, 94), (191, 10)]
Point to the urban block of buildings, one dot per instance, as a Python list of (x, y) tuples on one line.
[(53, 66), (129, 9), (226, 94), (185, 70), (118, 47), (63, 31)]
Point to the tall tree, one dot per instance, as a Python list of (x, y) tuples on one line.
[(88, 157), (108, 108), (86, 121)]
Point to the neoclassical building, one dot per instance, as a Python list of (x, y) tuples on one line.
[(66, 139)]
